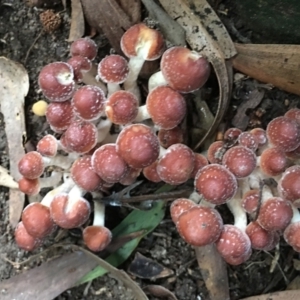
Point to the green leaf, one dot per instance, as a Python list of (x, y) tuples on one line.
[(137, 220)]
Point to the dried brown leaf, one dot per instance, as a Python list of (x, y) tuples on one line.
[(241, 120), (201, 41), (132, 8), (275, 64), (160, 292), (146, 268), (14, 84), (48, 280), (77, 21), (213, 271), (290, 295), (108, 17)]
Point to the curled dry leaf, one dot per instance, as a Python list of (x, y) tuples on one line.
[(291, 295), (146, 268), (241, 120), (54, 277), (275, 64), (203, 42), (77, 21), (159, 292), (14, 84)]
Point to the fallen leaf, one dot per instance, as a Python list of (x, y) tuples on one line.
[(77, 21), (107, 16), (146, 268), (132, 8), (14, 84), (213, 271), (275, 64), (170, 29), (290, 295), (241, 120), (201, 41), (160, 292), (48, 280)]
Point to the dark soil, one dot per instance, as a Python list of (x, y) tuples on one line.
[(19, 27)]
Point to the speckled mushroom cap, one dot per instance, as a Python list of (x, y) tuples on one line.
[(284, 133), (215, 183), (56, 81), (184, 70)]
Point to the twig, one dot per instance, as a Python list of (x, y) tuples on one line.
[(32, 45)]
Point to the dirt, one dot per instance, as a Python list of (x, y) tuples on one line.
[(19, 27)]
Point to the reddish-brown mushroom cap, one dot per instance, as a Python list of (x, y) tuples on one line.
[(275, 214), (150, 172), (96, 238), (284, 133), (231, 134), (166, 107), (248, 140), (80, 65), (69, 213), (37, 220), (200, 226), (176, 165), (179, 206), (56, 81), (31, 165), (289, 185), (113, 69), (293, 113), (250, 201), (184, 70), (233, 242), (216, 184), (108, 164), (139, 37), (260, 135), (130, 177), (59, 115), (85, 47), (239, 160), (138, 145), (122, 107), (215, 152), (260, 238), (88, 102), (24, 240), (292, 235), (169, 137), (84, 176), (80, 136), (29, 187), (47, 146), (273, 161), (200, 162)]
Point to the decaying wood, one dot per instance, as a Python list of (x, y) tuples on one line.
[(275, 64), (286, 295), (108, 17), (77, 21), (132, 8)]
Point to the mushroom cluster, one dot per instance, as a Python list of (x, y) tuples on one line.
[(257, 175), (107, 133)]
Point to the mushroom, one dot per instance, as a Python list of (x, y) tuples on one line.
[(97, 237), (182, 69), (85, 47)]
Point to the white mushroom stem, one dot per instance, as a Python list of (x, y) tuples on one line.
[(61, 161), (50, 181), (112, 87), (103, 128), (99, 213), (7, 180), (142, 115), (91, 78), (157, 79), (240, 216), (296, 214), (63, 188)]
